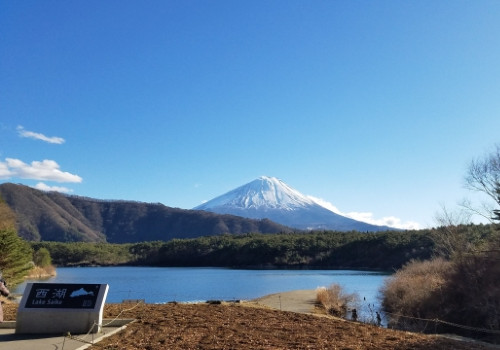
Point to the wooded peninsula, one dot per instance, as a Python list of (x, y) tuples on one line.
[(386, 251)]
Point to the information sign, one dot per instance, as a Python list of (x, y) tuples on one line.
[(63, 296), (55, 308)]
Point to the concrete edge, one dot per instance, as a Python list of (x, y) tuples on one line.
[(8, 324), (106, 322), (124, 322)]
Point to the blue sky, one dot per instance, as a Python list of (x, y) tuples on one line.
[(377, 107)]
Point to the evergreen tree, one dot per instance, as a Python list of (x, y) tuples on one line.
[(15, 257), (15, 253), (42, 258)]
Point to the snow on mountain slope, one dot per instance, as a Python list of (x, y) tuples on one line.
[(271, 198), (264, 192)]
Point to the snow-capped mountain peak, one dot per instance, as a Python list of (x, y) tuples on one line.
[(264, 192), (270, 197)]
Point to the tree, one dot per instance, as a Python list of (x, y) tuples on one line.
[(449, 240), (41, 257), (496, 212), (15, 257), (483, 176), (15, 253)]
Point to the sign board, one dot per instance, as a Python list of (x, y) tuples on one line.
[(50, 308), (64, 296)]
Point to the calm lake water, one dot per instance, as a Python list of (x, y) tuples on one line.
[(164, 284)]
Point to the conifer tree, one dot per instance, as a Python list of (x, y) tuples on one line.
[(42, 258), (15, 253)]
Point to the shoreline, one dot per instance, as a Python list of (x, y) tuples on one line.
[(301, 301)]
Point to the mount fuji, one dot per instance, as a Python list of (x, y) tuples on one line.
[(271, 198)]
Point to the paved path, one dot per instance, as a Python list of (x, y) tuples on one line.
[(9, 340)]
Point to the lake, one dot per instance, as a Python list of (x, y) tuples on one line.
[(164, 284)]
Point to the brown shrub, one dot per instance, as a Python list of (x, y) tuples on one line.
[(416, 290), (335, 300), (461, 296), (473, 295), (42, 272)]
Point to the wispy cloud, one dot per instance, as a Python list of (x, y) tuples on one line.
[(38, 136), (367, 217), (325, 204), (45, 170), (44, 187), (390, 221)]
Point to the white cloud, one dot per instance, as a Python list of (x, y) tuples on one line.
[(37, 136), (325, 204), (5, 172), (390, 221), (46, 170), (367, 217), (44, 187)]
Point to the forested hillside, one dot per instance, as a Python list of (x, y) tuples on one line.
[(321, 249), (52, 216)]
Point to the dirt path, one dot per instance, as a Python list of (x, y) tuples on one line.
[(302, 301)]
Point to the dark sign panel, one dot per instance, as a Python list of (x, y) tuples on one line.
[(63, 296)]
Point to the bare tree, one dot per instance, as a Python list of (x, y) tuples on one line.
[(453, 238), (450, 238), (483, 176)]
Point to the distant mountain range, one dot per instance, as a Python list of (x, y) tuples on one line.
[(271, 198), (265, 205), (52, 216)]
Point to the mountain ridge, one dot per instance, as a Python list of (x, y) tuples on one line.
[(52, 216)]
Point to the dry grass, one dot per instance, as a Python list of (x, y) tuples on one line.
[(335, 300), (461, 296), (236, 326), (415, 291), (42, 272), (415, 282)]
